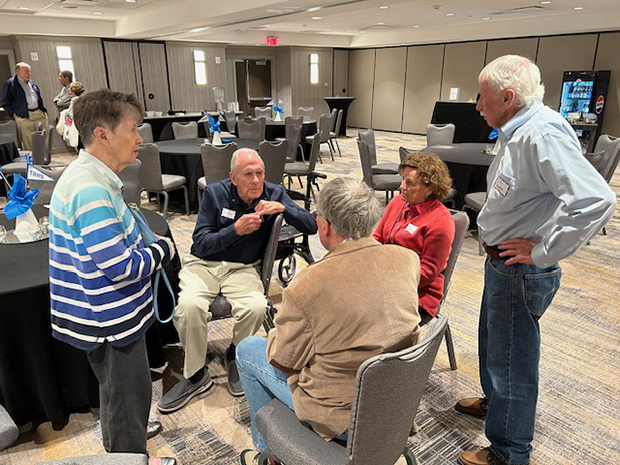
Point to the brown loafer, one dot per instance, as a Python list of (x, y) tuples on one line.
[(480, 457), (474, 406)]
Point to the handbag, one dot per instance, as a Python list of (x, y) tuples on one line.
[(149, 237)]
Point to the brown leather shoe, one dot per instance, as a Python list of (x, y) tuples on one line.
[(480, 457), (474, 406)]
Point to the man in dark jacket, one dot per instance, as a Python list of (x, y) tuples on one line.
[(21, 98)]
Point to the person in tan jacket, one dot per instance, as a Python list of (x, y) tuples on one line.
[(337, 313)]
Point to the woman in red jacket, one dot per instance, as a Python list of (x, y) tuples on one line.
[(417, 219)]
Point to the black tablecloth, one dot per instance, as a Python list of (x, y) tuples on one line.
[(470, 126), (468, 164), (340, 103), (182, 157), (162, 125), (41, 378), (8, 150)]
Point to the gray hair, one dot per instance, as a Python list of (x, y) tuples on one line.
[(350, 206), (67, 74), (21, 64), (517, 73), (235, 157)]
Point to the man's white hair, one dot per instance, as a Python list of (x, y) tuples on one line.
[(517, 73), (237, 153)]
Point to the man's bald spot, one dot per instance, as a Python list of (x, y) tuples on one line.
[(243, 157)]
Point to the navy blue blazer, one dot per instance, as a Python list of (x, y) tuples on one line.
[(14, 98)]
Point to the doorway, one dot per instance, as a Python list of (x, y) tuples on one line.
[(252, 84)]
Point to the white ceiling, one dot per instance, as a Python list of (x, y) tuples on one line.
[(335, 23)]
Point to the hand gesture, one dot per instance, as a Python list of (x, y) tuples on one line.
[(519, 251), (248, 223), (266, 207)]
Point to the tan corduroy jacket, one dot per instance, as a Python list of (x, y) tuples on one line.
[(360, 300)]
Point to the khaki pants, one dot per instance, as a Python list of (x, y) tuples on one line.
[(25, 127), (200, 282)]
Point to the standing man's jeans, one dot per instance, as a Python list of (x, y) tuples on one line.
[(514, 298)]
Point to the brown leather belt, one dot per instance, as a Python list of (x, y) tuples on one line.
[(493, 252)]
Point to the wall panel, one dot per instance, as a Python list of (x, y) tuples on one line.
[(563, 53), (462, 64), (424, 65), (121, 59), (607, 57), (361, 80), (387, 109), (154, 76), (525, 47), (341, 73), (307, 94)]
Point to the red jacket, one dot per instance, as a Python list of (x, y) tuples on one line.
[(428, 230)]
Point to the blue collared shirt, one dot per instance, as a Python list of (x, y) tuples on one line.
[(541, 188)]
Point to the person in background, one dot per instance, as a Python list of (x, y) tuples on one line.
[(232, 231), (21, 98), (100, 269), (544, 201), (70, 133), (333, 317), (63, 99), (417, 220)]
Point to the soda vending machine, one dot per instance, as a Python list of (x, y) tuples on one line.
[(585, 93)]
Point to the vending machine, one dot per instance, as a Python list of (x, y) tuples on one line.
[(584, 93)]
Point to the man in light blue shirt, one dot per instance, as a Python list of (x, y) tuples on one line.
[(544, 201)]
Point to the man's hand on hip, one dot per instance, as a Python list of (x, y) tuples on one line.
[(247, 224), (266, 207), (519, 251)]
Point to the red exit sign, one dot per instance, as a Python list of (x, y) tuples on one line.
[(271, 40)]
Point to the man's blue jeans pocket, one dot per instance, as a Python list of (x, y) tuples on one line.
[(540, 288)]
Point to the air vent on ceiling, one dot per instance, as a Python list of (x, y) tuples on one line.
[(522, 10)]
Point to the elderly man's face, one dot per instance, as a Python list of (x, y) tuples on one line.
[(495, 108), (248, 176), (24, 73)]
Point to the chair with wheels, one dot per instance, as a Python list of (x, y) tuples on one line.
[(387, 393)]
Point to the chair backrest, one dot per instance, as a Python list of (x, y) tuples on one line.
[(306, 112), (9, 431), (269, 255), (461, 225), (38, 126), (187, 130), (216, 161), (368, 136), (150, 171), (289, 120), (39, 140), (315, 151), (610, 146), (130, 177), (251, 128), (387, 394), (264, 112), (293, 136), (9, 128), (440, 134), (338, 122), (231, 120), (403, 152), (274, 156), (146, 132), (364, 151), (50, 137), (325, 126)]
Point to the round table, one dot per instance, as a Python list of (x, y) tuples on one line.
[(42, 378), (8, 149), (468, 163), (182, 157)]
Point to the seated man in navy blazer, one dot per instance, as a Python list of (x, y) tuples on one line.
[(21, 98)]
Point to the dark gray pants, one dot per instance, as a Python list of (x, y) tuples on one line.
[(125, 395)]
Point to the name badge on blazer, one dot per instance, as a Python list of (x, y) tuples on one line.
[(501, 185), (411, 228), (228, 213)]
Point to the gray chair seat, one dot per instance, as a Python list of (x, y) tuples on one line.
[(386, 181), (202, 183), (103, 459), (296, 168), (476, 200), (172, 180), (15, 168), (385, 168), (8, 429)]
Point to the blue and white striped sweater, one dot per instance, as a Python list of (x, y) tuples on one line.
[(99, 268)]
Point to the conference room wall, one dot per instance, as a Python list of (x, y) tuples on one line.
[(185, 94), (527, 47), (361, 84), (341, 73), (422, 86), (461, 65), (123, 67), (305, 93), (387, 109), (607, 58)]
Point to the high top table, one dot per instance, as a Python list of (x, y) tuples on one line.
[(340, 103)]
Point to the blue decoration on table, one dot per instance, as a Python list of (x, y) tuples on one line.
[(493, 134), (279, 109), (20, 200), (213, 125)]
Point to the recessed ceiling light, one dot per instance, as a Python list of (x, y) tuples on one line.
[(316, 18), (23, 8), (98, 13), (68, 7), (363, 32), (328, 29), (380, 23), (198, 29), (131, 1), (266, 25), (486, 18), (449, 14), (384, 7), (578, 8), (546, 2), (316, 8), (416, 25)]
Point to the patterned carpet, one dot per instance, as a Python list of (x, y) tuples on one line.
[(579, 408)]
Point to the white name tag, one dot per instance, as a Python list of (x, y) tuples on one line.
[(501, 185), (228, 213), (411, 228)]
